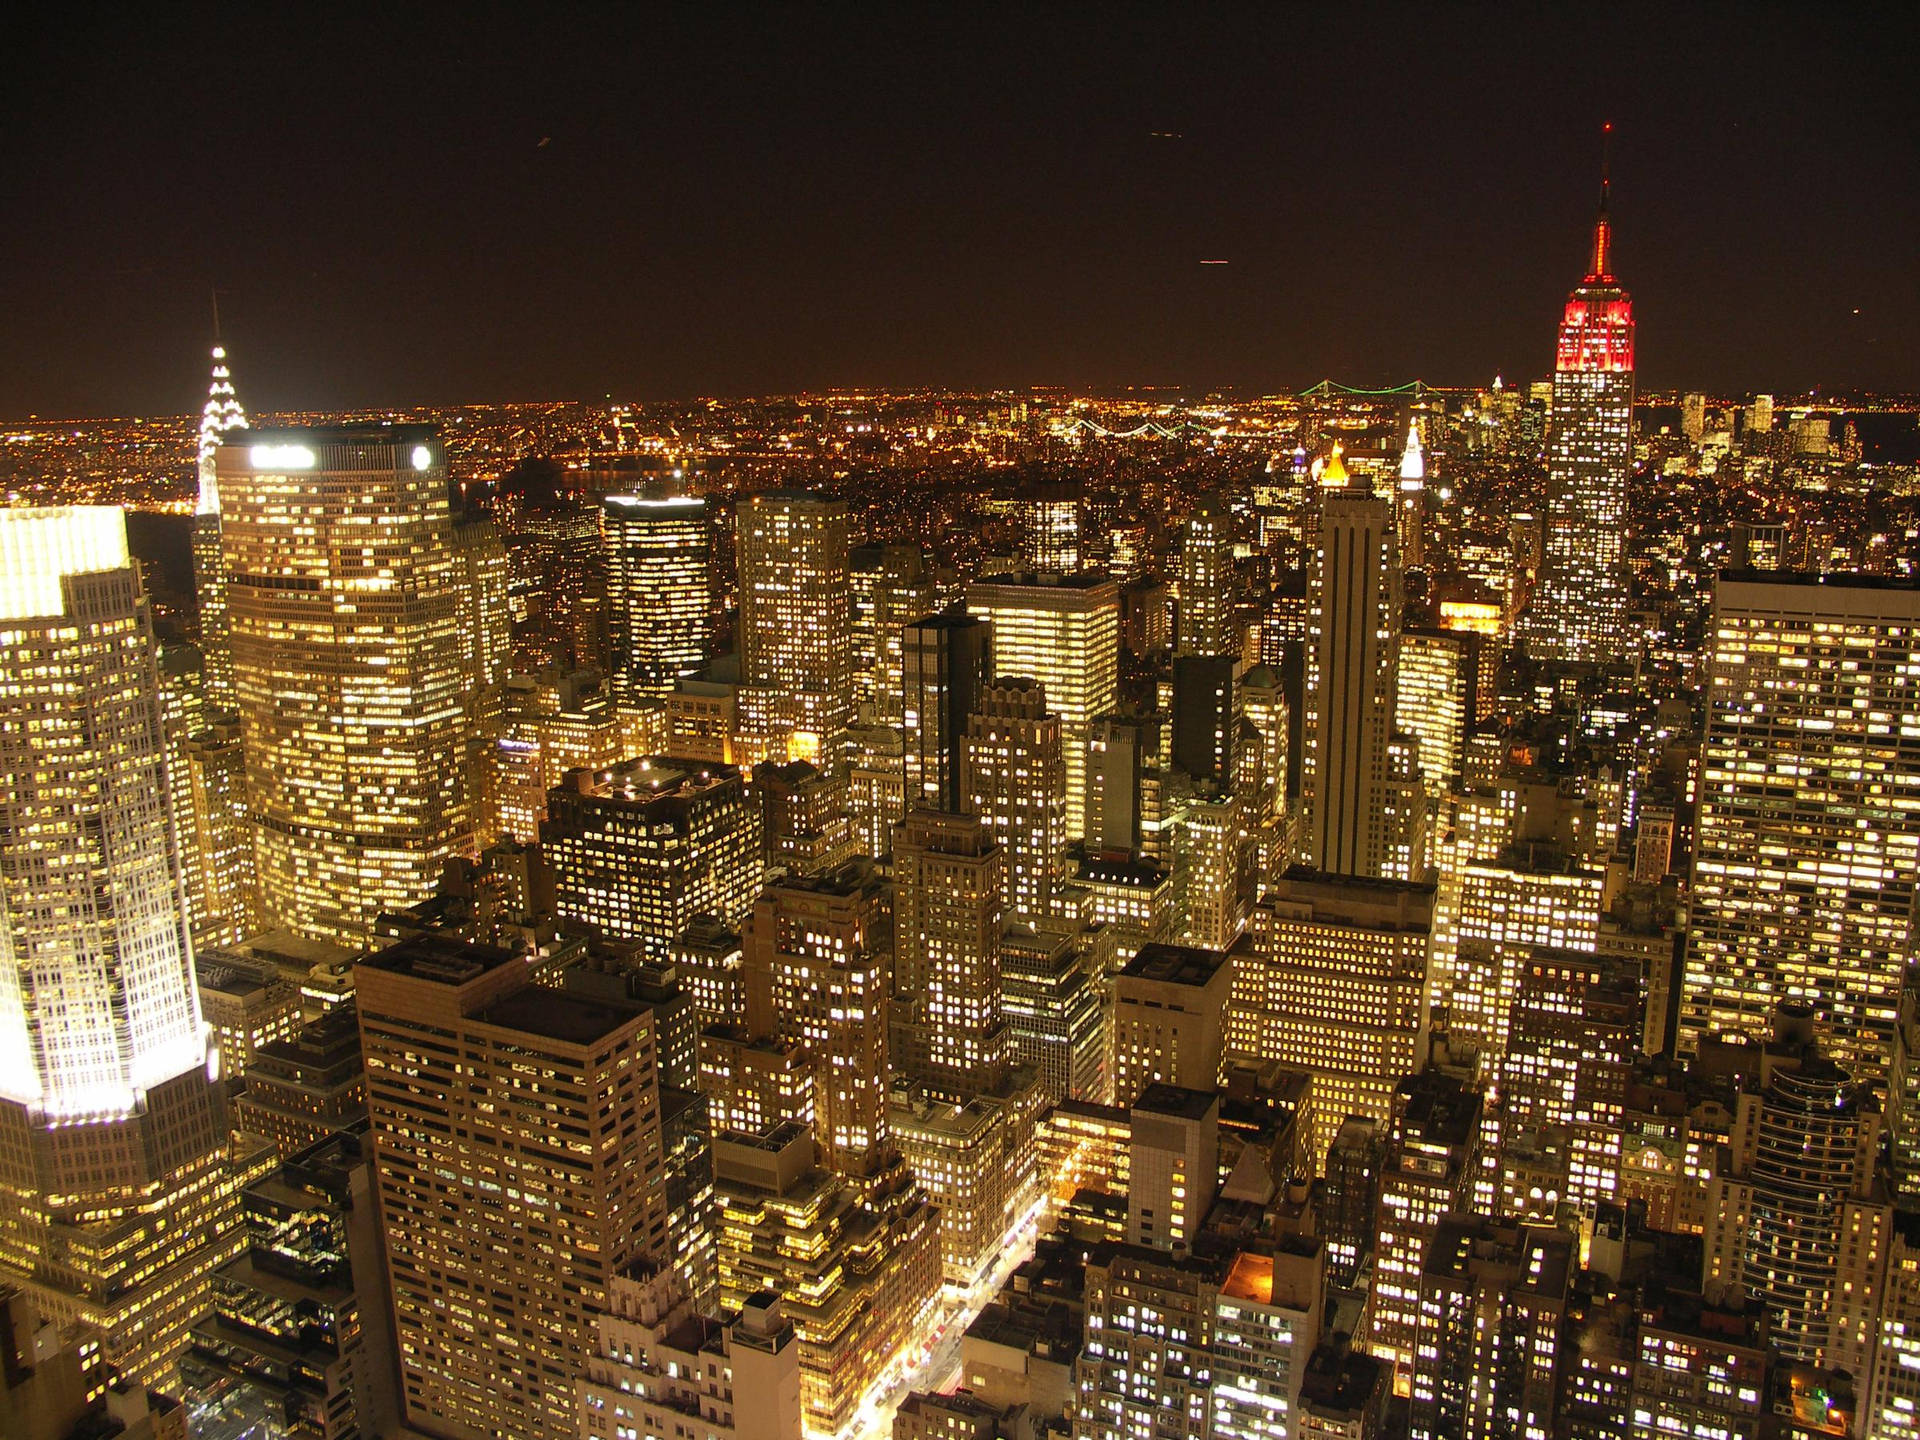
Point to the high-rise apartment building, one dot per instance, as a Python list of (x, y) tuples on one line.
[(1014, 777), (1050, 541), (118, 1197), (355, 734), (1053, 980), (946, 661), (1347, 780), (1806, 850), (1579, 606), (516, 1131), (640, 850), (1493, 1301), (1335, 983), (1064, 631), (795, 635), (659, 590)]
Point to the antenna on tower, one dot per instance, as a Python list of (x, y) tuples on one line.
[(1606, 162)]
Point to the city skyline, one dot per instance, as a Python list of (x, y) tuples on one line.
[(787, 208), (1335, 911)]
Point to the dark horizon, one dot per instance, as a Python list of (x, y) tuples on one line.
[(663, 207)]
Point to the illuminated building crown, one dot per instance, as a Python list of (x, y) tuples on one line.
[(222, 413)]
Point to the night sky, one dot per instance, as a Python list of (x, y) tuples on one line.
[(659, 205)]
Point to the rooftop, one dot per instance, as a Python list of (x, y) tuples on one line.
[(559, 1015), (439, 958), (1175, 964)]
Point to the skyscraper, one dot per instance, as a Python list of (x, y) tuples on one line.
[(1807, 841), (1064, 631), (1206, 582), (516, 1130), (659, 590), (1352, 675), (355, 730), (795, 632), (222, 414), (117, 1198), (1579, 608), (1014, 778), (945, 660), (948, 893), (1412, 509)]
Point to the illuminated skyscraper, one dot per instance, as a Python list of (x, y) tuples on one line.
[(1336, 984), (639, 850), (558, 571), (222, 413), (796, 640), (1050, 534), (1347, 780), (1807, 841), (1206, 582), (499, 1244), (1412, 509), (1064, 631), (945, 660), (1434, 701), (948, 893), (1014, 778), (659, 590), (343, 598), (818, 969), (1579, 607), (117, 1199)]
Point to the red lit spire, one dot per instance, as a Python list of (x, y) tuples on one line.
[(1600, 267)]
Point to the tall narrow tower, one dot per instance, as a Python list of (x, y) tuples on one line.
[(1579, 609), (116, 1198), (1352, 678), (796, 626), (222, 413)]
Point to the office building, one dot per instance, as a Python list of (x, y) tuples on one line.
[(947, 896), (120, 1194), (500, 1242), (1807, 834), (301, 1319), (1208, 605), (803, 817), (216, 836), (945, 664), (659, 590), (1435, 702), (1050, 534), (794, 628), (355, 735), (1169, 1019), (819, 969), (640, 850), (660, 1360), (557, 571), (857, 1279), (303, 1089), (1352, 814), (1336, 983), (1053, 994), (223, 413), (1173, 1164), (1064, 632), (1266, 1326), (1580, 602), (1014, 777)]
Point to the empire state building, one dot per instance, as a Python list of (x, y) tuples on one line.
[(1579, 608)]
